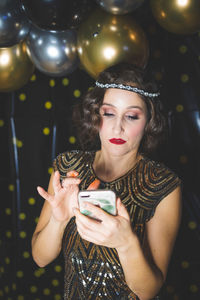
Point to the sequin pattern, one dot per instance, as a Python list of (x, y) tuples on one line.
[(92, 271)]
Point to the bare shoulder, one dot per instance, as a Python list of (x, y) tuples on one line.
[(169, 209)]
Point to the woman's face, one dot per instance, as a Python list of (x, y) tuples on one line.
[(123, 120)]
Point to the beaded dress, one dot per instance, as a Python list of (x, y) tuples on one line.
[(94, 272)]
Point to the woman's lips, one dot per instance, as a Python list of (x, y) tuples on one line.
[(117, 141)]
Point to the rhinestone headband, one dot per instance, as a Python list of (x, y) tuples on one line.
[(127, 88)]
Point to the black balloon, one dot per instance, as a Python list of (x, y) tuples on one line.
[(57, 14), (14, 24)]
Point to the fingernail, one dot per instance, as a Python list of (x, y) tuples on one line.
[(94, 183), (73, 173)]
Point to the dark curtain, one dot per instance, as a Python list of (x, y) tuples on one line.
[(36, 125)]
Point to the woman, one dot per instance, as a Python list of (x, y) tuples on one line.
[(124, 256)]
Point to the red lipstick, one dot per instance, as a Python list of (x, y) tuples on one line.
[(117, 141)]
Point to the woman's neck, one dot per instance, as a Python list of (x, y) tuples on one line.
[(109, 167)]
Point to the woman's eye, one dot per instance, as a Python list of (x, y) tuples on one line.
[(108, 114), (132, 117)]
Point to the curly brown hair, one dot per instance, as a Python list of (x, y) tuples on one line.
[(87, 117)]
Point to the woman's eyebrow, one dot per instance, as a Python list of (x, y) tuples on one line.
[(108, 104), (135, 106), (128, 107)]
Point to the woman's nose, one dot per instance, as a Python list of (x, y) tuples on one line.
[(118, 126)]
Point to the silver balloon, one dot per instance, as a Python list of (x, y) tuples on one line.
[(14, 24), (53, 52), (119, 7)]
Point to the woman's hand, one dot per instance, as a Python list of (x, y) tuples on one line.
[(65, 196), (111, 231)]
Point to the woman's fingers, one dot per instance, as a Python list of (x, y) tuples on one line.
[(56, 182), (100, 232), (70, 181), (84, 221), (98, 212), (72, 173), (121, 210), (86, 227), (44, 194)]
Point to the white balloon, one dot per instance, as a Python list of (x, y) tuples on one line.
[(53, 52)]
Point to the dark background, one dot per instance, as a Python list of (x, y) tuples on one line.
[(35, 126)]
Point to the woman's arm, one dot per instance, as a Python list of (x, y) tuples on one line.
[(55, 214), (46, 240), (145, 269)]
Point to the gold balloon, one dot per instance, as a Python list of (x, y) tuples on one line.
[(177, 16), (105, 39), (15, 67)]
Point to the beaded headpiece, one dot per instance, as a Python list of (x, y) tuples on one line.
[(127, 88)]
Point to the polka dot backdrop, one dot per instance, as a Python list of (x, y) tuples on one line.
[(35, 126)]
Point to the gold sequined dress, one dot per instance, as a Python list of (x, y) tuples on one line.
[(92, 271)]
